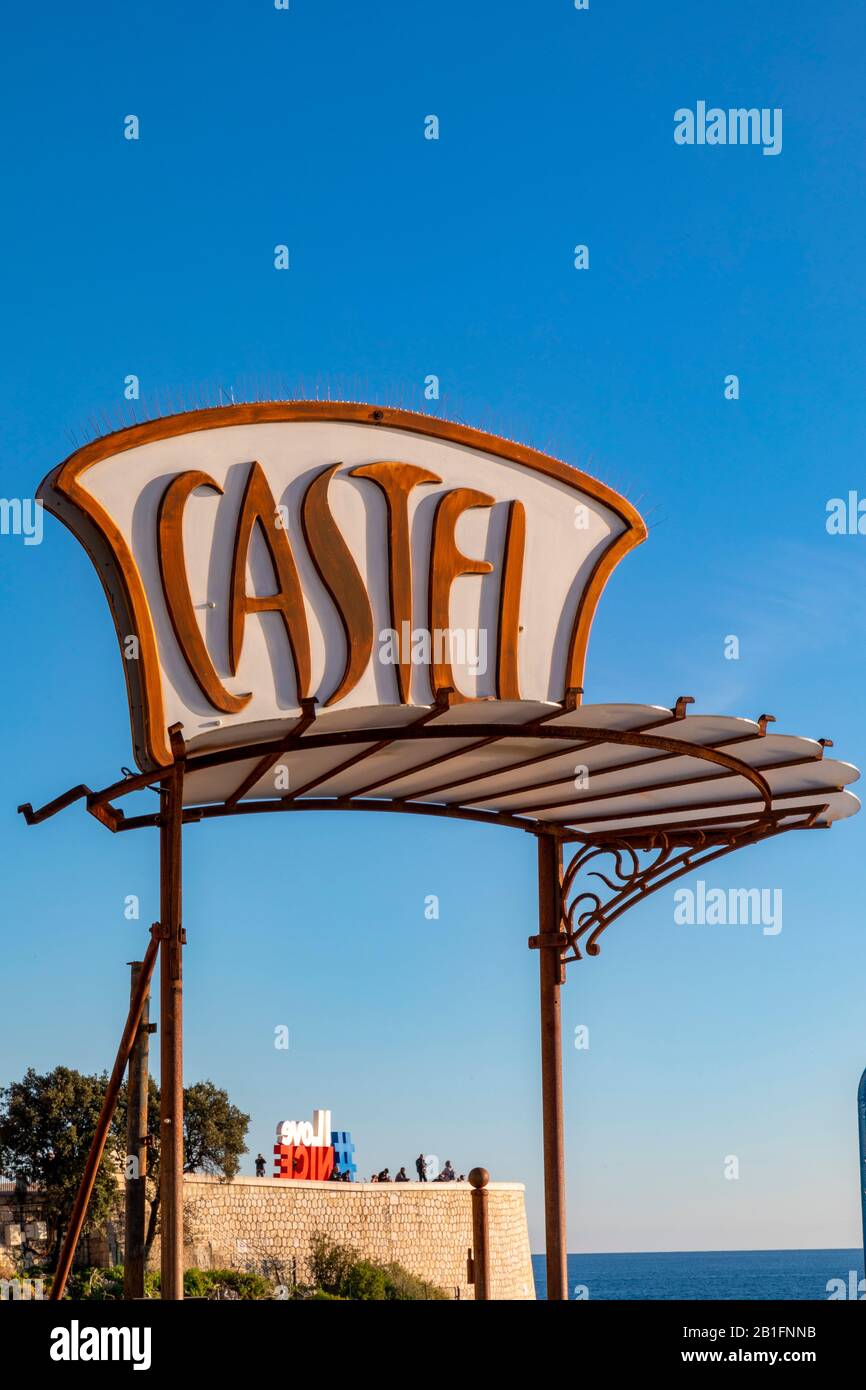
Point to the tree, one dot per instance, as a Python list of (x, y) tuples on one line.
[(46, 1126), (214, 1137)]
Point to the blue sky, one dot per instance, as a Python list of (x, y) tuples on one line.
[(455, 257)]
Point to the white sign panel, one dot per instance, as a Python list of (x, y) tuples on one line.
[(259, 557)]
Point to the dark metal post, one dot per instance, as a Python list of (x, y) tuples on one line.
[(551, 971), (479, 1178), (171, 1031), (136, 1148), (861, 1123), (103, 1124)]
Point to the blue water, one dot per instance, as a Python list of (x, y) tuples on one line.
[(728, 1274)]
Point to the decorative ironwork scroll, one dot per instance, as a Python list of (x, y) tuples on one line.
[(634, 868)]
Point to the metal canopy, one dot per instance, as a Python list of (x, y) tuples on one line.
[(623, 800), (591, 772)]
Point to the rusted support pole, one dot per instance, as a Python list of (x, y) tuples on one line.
[(479, 1178), (861, 1128), (171, 1027), (103, 1124), (136, 1148), (551, 973)]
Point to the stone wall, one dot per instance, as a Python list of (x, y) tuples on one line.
[(267, 1223), (22, 1227), (24, 1234)]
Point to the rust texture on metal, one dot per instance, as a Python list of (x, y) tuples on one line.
[(447, 563), (341, 577), (171, 1024), (604, 772), (480, 1259), (396, 481), (427, 727), (527, 730), (178, 600), (103, 1124), (264, 765), (136, 1147), (258, 505), (550, 972), (632, 871), (508, 634)]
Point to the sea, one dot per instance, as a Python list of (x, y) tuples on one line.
[(708, 1274)]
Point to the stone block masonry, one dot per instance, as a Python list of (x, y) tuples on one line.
[(268, 1223)]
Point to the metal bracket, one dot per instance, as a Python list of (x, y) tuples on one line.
[(636, 870), (160, 933)]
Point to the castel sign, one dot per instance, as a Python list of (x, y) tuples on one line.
[(261, 560), (328, 607)]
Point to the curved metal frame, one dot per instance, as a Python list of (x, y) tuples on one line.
[(267, 753)]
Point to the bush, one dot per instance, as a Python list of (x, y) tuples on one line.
[(338, 1271), (402, 1285), (366, 1281), (94, 1284), (330, 1263), (225, 1283), (194, 1284)]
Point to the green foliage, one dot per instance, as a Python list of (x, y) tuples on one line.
[(338, 1271), (403, 1286), (349, 1278), (330, 1263), (194, 1284), (214, 1131), (365, 1281), (222, 1283), (95, 1285), (46, 1126), (118, 1123)]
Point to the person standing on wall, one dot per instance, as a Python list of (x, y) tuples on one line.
[(421, 1167)]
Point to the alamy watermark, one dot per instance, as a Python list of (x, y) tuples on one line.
[(77, 1343), (702, 906), (25, 1289), (738, 125), (846, 516), (21, 516), (418, 647), (854, 1288)]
